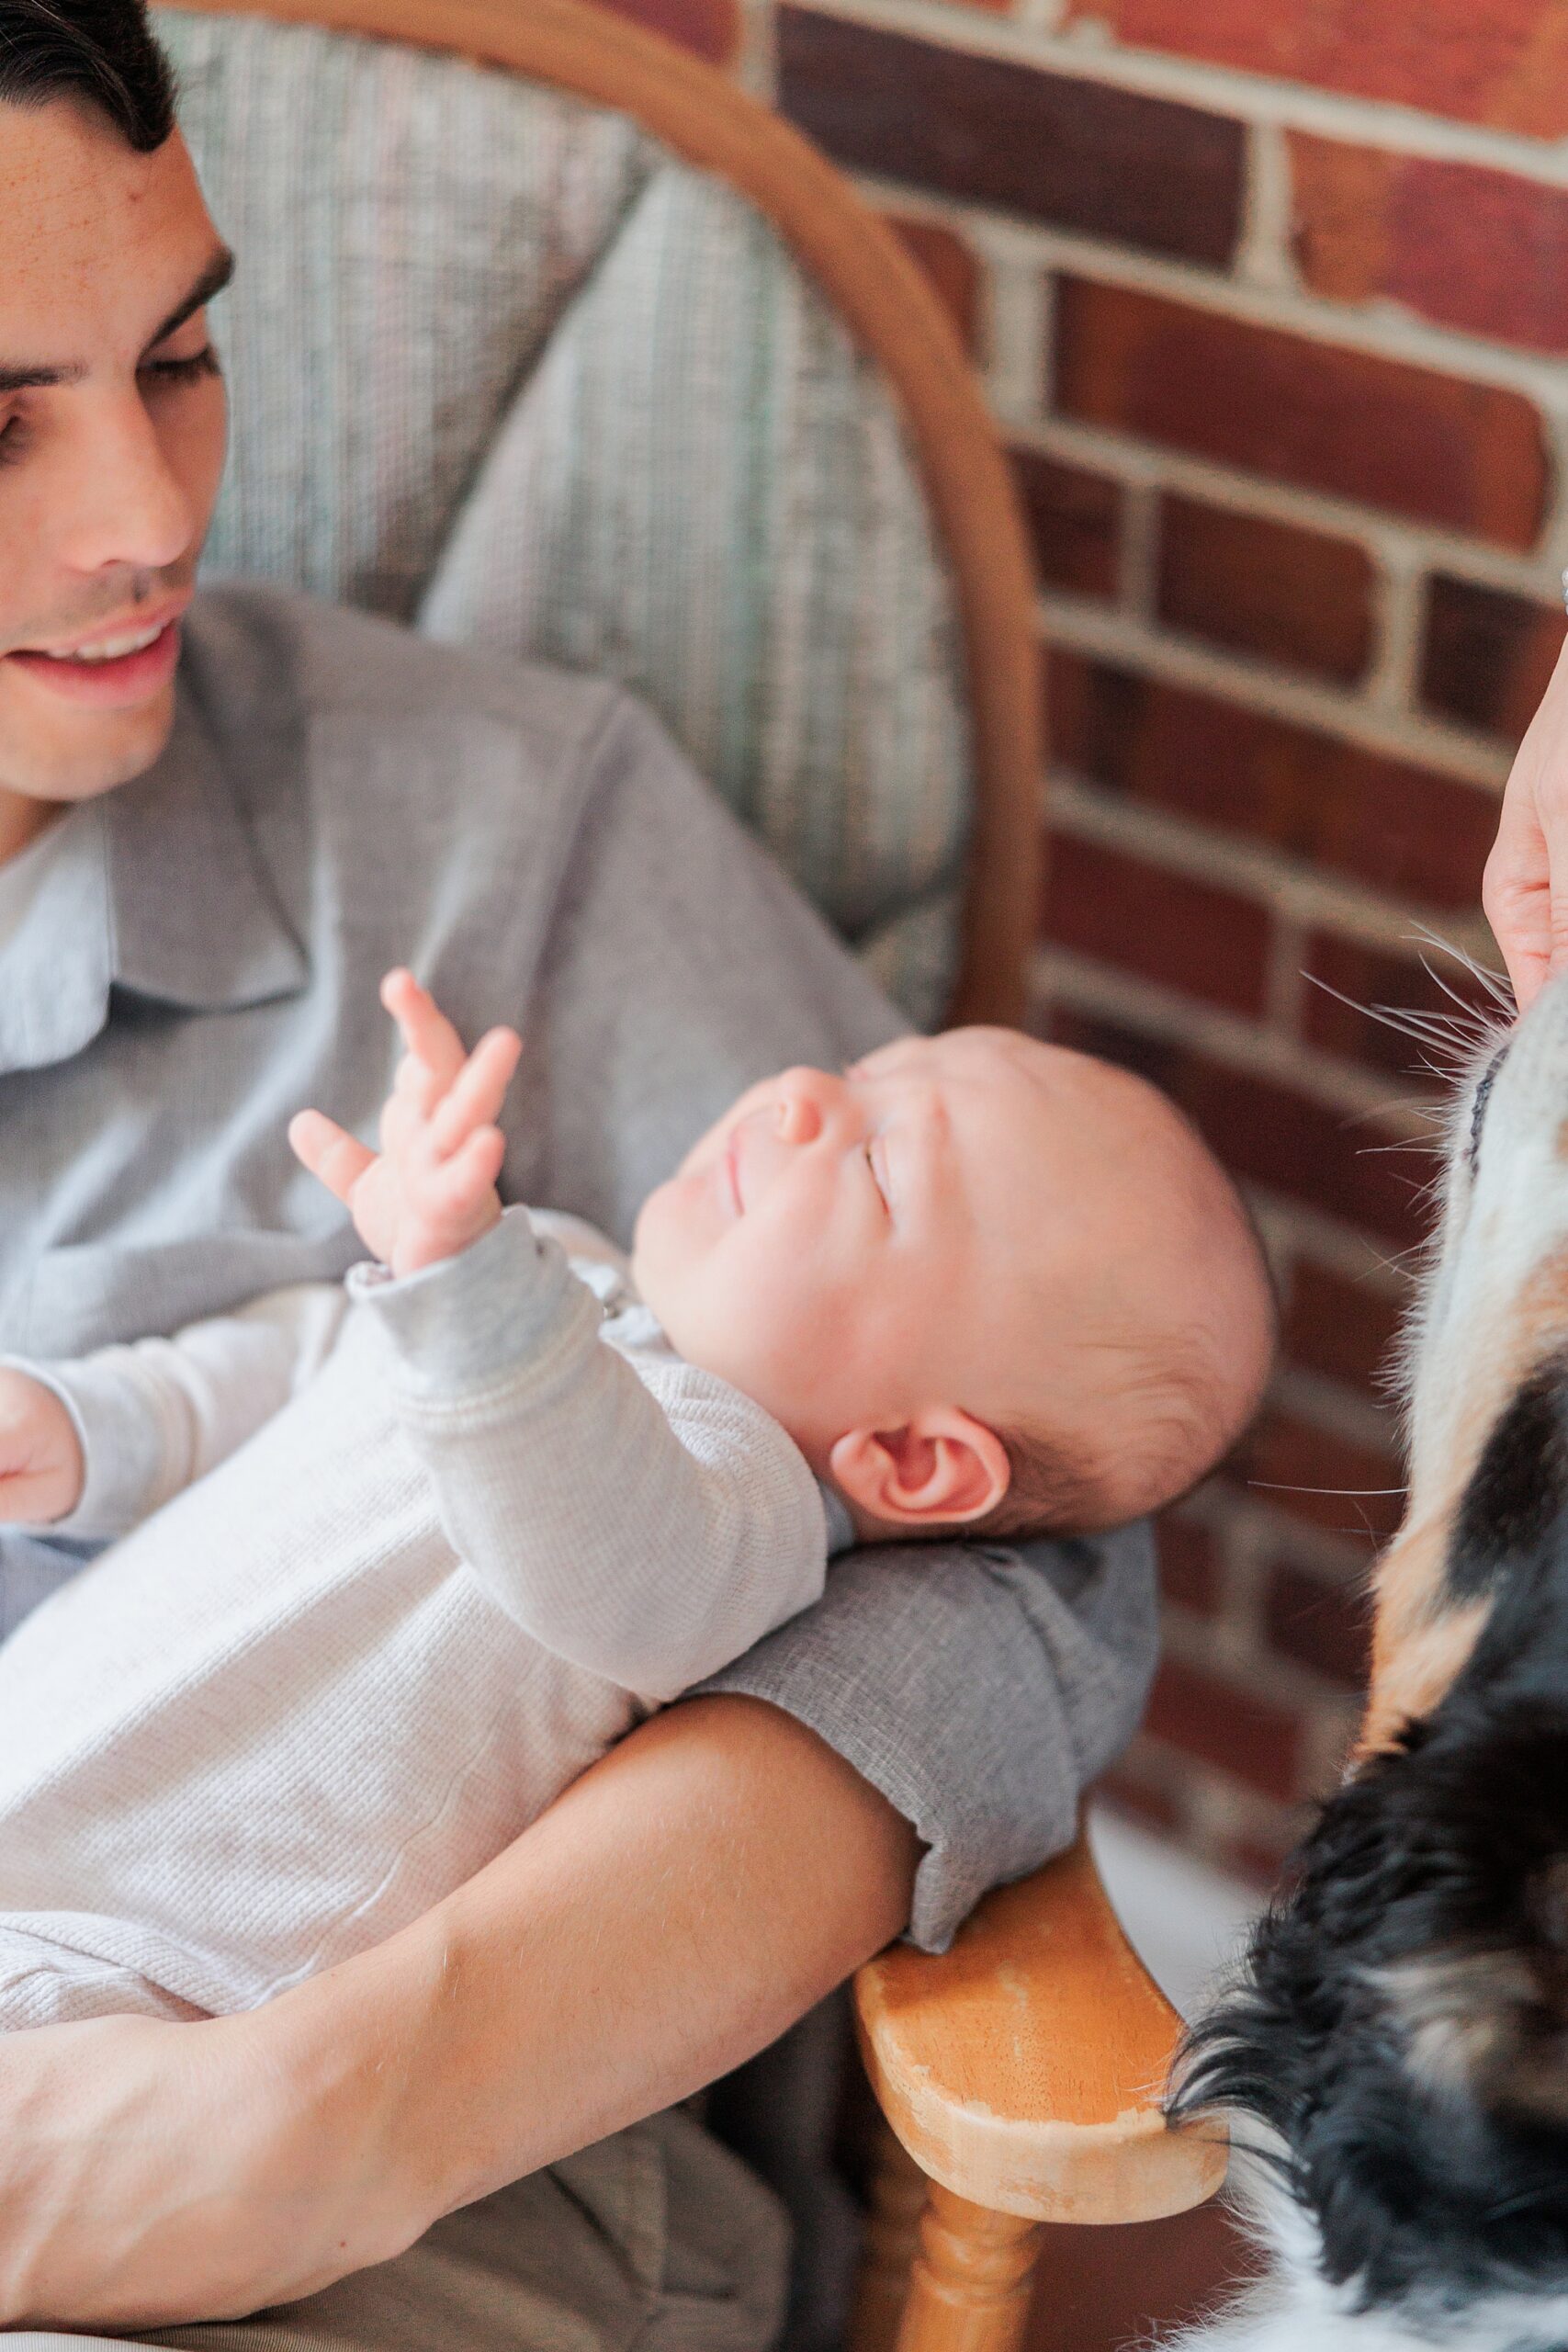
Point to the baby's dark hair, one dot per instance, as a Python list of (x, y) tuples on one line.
[(1188, 1410), (1059, 1487)]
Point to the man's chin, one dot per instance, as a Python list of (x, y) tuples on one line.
[(77, 756)]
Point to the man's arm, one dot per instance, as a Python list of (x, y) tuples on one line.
[(680, 1904)]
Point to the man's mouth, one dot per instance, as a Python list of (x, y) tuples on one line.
[(112, 672), (111, 649)]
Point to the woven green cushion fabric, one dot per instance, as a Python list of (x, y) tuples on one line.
[(502, 368)]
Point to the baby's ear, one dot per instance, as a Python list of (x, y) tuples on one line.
[(940, 1468)]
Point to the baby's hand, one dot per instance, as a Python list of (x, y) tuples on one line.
[(41, 1468), (430, 1191)]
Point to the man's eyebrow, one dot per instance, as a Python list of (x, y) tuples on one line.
[(208, 287), (211, 282)]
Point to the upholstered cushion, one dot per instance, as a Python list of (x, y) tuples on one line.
[(502, 368)]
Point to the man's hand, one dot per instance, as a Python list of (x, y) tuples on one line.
[(1525, 889), (430, 1191), (155, 2172), (41, 1468)]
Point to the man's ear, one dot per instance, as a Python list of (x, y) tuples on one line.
[(939, 1469)]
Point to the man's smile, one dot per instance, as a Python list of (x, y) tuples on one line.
[(113, 667)]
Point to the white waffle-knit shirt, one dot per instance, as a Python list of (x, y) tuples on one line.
[(402, 1563)]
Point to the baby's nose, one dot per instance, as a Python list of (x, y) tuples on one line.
[(800, 1107)]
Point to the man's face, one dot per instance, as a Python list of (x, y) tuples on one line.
[(111, 443)]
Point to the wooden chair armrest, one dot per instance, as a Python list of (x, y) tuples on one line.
[(1022, 2070)]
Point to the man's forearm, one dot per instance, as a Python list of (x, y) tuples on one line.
[(672, 1913), (677, 1908)]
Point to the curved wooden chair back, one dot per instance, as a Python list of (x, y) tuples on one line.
[(894, 315)]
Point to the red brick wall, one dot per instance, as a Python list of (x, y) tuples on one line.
[(1271, 299)]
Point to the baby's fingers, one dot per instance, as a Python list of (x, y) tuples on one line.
[(478, 1091), (434, 1048), (338, 1158)]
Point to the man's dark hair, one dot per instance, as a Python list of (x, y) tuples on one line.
[(99, 49)]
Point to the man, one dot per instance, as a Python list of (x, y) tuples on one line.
[(219, 823)]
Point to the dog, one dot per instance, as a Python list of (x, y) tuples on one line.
[(1392, 2062)]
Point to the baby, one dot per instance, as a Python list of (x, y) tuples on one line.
[(484, 1506)]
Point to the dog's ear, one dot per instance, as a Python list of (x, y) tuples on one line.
[(1490, 2023)]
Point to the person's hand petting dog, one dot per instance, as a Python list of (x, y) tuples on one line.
[(1525, 888), (430, 1191)]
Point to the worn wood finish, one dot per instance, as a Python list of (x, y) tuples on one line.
[(1023, 2069), (887, 2255), (889, 304), (970, 2288)]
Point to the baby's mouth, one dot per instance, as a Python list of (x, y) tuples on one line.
[(732, 1169)]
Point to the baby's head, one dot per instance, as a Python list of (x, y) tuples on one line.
[(979, 1279)]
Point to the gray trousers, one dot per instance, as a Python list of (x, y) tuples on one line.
[(657, 2240)]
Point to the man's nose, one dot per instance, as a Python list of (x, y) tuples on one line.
[(128, 506)]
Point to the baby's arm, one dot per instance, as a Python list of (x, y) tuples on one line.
[(91, 1447), (646, 1525), (640, 1517)]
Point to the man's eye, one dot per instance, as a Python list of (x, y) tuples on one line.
[(13, 438), (201, 363)]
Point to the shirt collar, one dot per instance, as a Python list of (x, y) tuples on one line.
[(157, 889)]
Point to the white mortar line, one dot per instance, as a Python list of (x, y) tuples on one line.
[(1361, 1098), (1399, 609), (1393, 537), (756, 69), (1216, 89), (1242, 1654), (1328, 1405), (1264, 255), (1380, 331), (1300, 891), (1017, 318), (1254, 1523), (1344, 1248), (1085, 627)]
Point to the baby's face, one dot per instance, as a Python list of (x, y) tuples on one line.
[(851, 1250)]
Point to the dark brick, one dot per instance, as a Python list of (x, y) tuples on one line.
[(1259, 1859), (1330, 804), (1074, 522), (711, 28), (1227, 1726), (1145, 919), (1470, 457), (1320, 1621), (1107, 162), (1488, 655), (1269, 588), (1317, 1476), (951, 265), (1500, 62), (1269, 1134), (1190, 1570), (1149, 1800), (1345, 1330), (1484, 251)]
